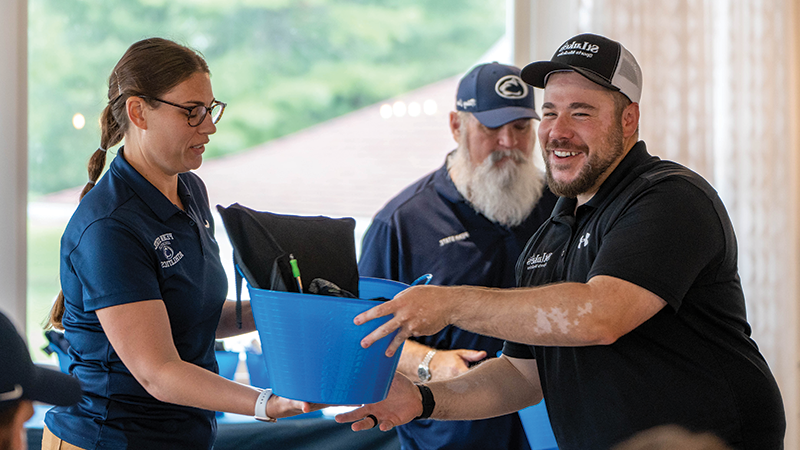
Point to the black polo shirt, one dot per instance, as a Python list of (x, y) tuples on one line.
[(660, 226)]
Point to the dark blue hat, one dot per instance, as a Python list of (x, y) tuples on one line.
[(21, 379), (495, 94)]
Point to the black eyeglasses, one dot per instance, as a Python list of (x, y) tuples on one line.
[(197, 113)]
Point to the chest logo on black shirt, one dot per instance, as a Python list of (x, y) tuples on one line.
[(454, 238), (584, 240), (538, 261), (163, 244)]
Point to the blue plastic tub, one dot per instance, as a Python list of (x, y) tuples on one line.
[(257, 368), (64, 360), (312, 348), (227, 362), (536, 423)]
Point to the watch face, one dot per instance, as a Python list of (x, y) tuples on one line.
[(423, 373)]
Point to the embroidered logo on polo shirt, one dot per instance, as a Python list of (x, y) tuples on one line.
[(584, 240), (538, 260), (454, 238), (163, 244)]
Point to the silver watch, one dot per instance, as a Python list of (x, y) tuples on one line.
[(424, 370)]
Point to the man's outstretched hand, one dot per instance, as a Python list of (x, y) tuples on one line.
[(402, 405)]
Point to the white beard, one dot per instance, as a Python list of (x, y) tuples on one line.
[(505, 195)]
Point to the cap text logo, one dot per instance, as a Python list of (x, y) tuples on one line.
[(578, 48), (471, 103), (585, 46)]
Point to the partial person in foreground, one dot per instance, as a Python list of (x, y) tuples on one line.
[(143, 288), (630, 312), (22, 383), (672, 437), (465, 224)]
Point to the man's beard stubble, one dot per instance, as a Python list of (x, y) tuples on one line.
[(505, 195), (596, 164)]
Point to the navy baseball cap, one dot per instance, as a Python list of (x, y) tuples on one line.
[(21, 379), (597, 58), (495, 94)]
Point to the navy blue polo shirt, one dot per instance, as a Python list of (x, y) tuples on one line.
[(125, 243), (660, 226), (430, 228)]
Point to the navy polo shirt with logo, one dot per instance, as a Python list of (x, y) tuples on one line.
[(660, 226), (430, 228), (126, 243)]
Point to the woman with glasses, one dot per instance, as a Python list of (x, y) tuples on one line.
[(143, 288)]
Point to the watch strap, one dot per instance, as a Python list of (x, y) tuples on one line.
[(424, 370), (427, 359), (261, 406), (427, 402)]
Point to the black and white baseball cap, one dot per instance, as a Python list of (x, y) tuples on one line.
[(496, 95), (21, 379), (597, 58)]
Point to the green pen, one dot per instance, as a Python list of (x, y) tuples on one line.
[(296, 273)]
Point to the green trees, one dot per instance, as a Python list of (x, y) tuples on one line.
[(281, 65)]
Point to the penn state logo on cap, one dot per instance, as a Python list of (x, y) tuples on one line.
[(496, 95), (511, 87)]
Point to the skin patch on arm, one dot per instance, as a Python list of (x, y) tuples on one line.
[(543, 325), (558, 318), (582, 311)]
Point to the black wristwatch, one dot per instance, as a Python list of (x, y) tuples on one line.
[(427, 402)]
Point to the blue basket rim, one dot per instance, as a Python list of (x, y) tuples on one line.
[(355, 301)]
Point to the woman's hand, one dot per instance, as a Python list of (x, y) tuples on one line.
[(279, 407)]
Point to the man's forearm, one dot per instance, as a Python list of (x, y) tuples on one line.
[(563, 314), (491, 389)]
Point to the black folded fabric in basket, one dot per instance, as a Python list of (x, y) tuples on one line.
[(262, 242)]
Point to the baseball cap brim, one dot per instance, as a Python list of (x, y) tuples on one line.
[(52, 387), (498, 117), (536, 74)]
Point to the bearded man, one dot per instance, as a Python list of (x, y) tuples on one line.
[(465, 224)]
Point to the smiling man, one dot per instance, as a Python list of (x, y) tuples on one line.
[(630, 313)]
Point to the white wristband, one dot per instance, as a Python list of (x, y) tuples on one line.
[(261, 406)]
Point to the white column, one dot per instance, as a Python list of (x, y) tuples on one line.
[(518, 27), (14, 154), (791, 387)]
